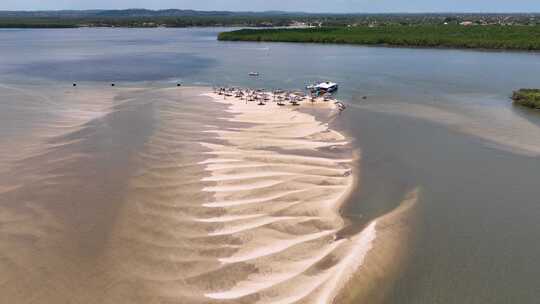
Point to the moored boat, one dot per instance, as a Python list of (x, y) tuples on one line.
[(323, 87), (327, 86)]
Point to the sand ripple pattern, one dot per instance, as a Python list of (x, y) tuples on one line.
[(173, 196), (246, 212)]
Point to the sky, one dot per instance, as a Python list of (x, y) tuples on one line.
[(329, 6)]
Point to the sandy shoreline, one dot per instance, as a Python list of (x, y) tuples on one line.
[(185, 197), (293, 130), (283, 176)]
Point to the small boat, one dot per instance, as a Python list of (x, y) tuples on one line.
[(327, 86), (253, 74)]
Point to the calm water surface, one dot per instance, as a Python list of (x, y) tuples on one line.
[(437, 119)]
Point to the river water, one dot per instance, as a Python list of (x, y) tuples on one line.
[(437, 120)]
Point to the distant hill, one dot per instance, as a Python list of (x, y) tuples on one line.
[(188, 18), (136, 13), (147, 13), (143, 18)]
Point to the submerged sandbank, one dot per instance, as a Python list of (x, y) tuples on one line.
[(176, 195)]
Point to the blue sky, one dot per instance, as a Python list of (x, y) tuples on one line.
[(338, 6)]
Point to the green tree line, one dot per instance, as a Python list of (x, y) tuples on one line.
[(450, 36)]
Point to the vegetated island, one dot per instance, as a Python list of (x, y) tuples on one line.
[(527, 97), (434, 36)]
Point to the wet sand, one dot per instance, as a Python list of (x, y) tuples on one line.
[(137, 195)]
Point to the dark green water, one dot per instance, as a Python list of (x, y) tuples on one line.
[(435, 119)]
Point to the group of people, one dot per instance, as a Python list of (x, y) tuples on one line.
[(281, 97)]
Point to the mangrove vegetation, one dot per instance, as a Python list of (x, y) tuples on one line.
[(527, 97), (447, 36)]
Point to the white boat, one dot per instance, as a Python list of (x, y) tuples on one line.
[(253, 74), (326, 86)]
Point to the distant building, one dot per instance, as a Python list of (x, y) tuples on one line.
[(466, 23), (298, 24)]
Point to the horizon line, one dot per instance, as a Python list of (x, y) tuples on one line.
[(274, 11)]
